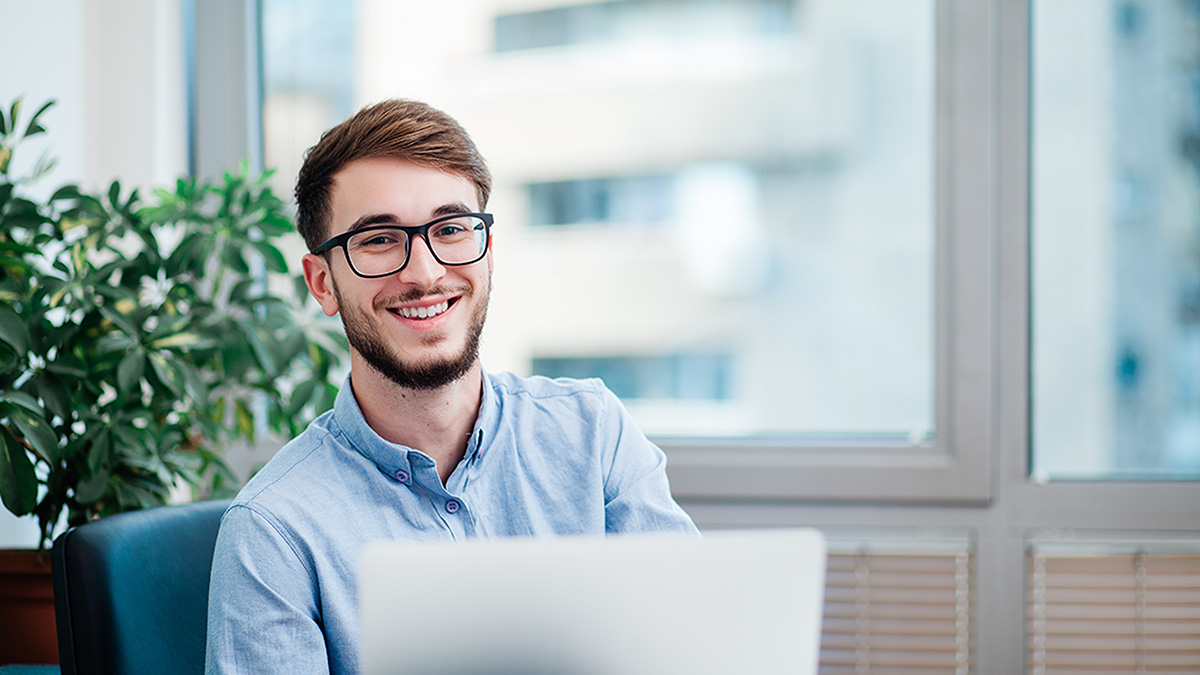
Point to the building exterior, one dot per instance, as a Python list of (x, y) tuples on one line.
[(724, 209)]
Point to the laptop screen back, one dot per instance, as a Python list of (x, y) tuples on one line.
[(732, 602)]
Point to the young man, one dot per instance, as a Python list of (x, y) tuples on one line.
[(422, 443)]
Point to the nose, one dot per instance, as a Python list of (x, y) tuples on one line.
[(422, 268)]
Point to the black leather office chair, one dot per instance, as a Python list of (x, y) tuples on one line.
[(131, 591)]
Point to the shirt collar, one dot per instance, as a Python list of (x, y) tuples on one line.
[(392, 457)]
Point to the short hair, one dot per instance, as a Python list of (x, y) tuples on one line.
[(400, 128)]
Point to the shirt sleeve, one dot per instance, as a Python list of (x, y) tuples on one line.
[(262, 604), (637, 496)]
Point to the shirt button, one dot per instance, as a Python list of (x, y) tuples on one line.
[(402, 475), (452, 506)]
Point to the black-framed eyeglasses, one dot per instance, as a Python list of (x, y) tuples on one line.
[(382, 250)]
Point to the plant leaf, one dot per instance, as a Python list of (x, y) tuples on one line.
[(99, 452), (235, 259), (300, 396), (120, 320), (67, 366), (22, 399), (18, 481), (93, 488), (13, 113), (265, 360), (13, 330), (34, 127), (166, 374), (36, 431), (53, 394), (276, 224), (130, 372), (65, 192), (272, 257), (193, 380), (177, 340), (245, 420), (132, 441), (184, 253)]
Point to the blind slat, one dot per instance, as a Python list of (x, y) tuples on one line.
[(897, 611), (1121, 611)]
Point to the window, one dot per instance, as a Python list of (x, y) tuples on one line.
[(750, 179), (711, 159), (307, 51), (628, 201), (1116, 240), (638, 378), (631, 19)]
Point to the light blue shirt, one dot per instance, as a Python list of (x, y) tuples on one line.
[(546, 457)]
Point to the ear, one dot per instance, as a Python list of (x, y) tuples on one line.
[(319, 278)]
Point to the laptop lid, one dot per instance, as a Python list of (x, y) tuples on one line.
[(732, 602)]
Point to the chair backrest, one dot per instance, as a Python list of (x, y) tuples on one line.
[(131, 591)]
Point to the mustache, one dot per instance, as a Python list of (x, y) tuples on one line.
[(417, 294)]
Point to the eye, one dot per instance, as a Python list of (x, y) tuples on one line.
[(378, 239), (451, 228)]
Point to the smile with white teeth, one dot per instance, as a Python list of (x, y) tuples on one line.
[(423, 312)]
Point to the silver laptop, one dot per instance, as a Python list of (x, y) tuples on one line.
[(732, 602)]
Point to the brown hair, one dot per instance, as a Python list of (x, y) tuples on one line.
[(401, 128)]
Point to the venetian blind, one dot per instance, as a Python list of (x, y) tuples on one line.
[(897, 610), (1115, 611)]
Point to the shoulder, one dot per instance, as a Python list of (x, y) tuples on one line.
[(507, 385), (588, 399), (585, 411), (306, 459), (287, 499)]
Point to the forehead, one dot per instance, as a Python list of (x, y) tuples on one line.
[(408, 191)]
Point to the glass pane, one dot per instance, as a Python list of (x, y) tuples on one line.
[(308, 79), (1116, 239), (724, 208)]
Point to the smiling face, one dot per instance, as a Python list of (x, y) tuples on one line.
[(420, 327)]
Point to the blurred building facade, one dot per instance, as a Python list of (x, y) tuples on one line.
[(726, 209), (1115, 227), (723, 209)]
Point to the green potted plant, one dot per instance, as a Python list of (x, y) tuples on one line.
[(139, 337)]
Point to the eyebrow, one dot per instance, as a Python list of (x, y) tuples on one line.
[(391, 219)]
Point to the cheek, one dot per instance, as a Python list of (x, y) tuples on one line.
[(326, 294), (341, 299)]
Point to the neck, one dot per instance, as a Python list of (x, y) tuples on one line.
[(437, 422)]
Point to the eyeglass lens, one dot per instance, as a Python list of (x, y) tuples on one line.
[(453, 242)]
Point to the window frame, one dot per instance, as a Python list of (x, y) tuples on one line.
[(956, 466), (224, 94), (1020, 511)]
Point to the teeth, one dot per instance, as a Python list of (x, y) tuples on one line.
[(423, 312)]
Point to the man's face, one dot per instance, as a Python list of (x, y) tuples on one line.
[(382, 316)]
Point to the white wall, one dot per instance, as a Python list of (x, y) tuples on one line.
[(116, 69), (43, 58)]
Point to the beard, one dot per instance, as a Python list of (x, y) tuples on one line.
[(365, 339)]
